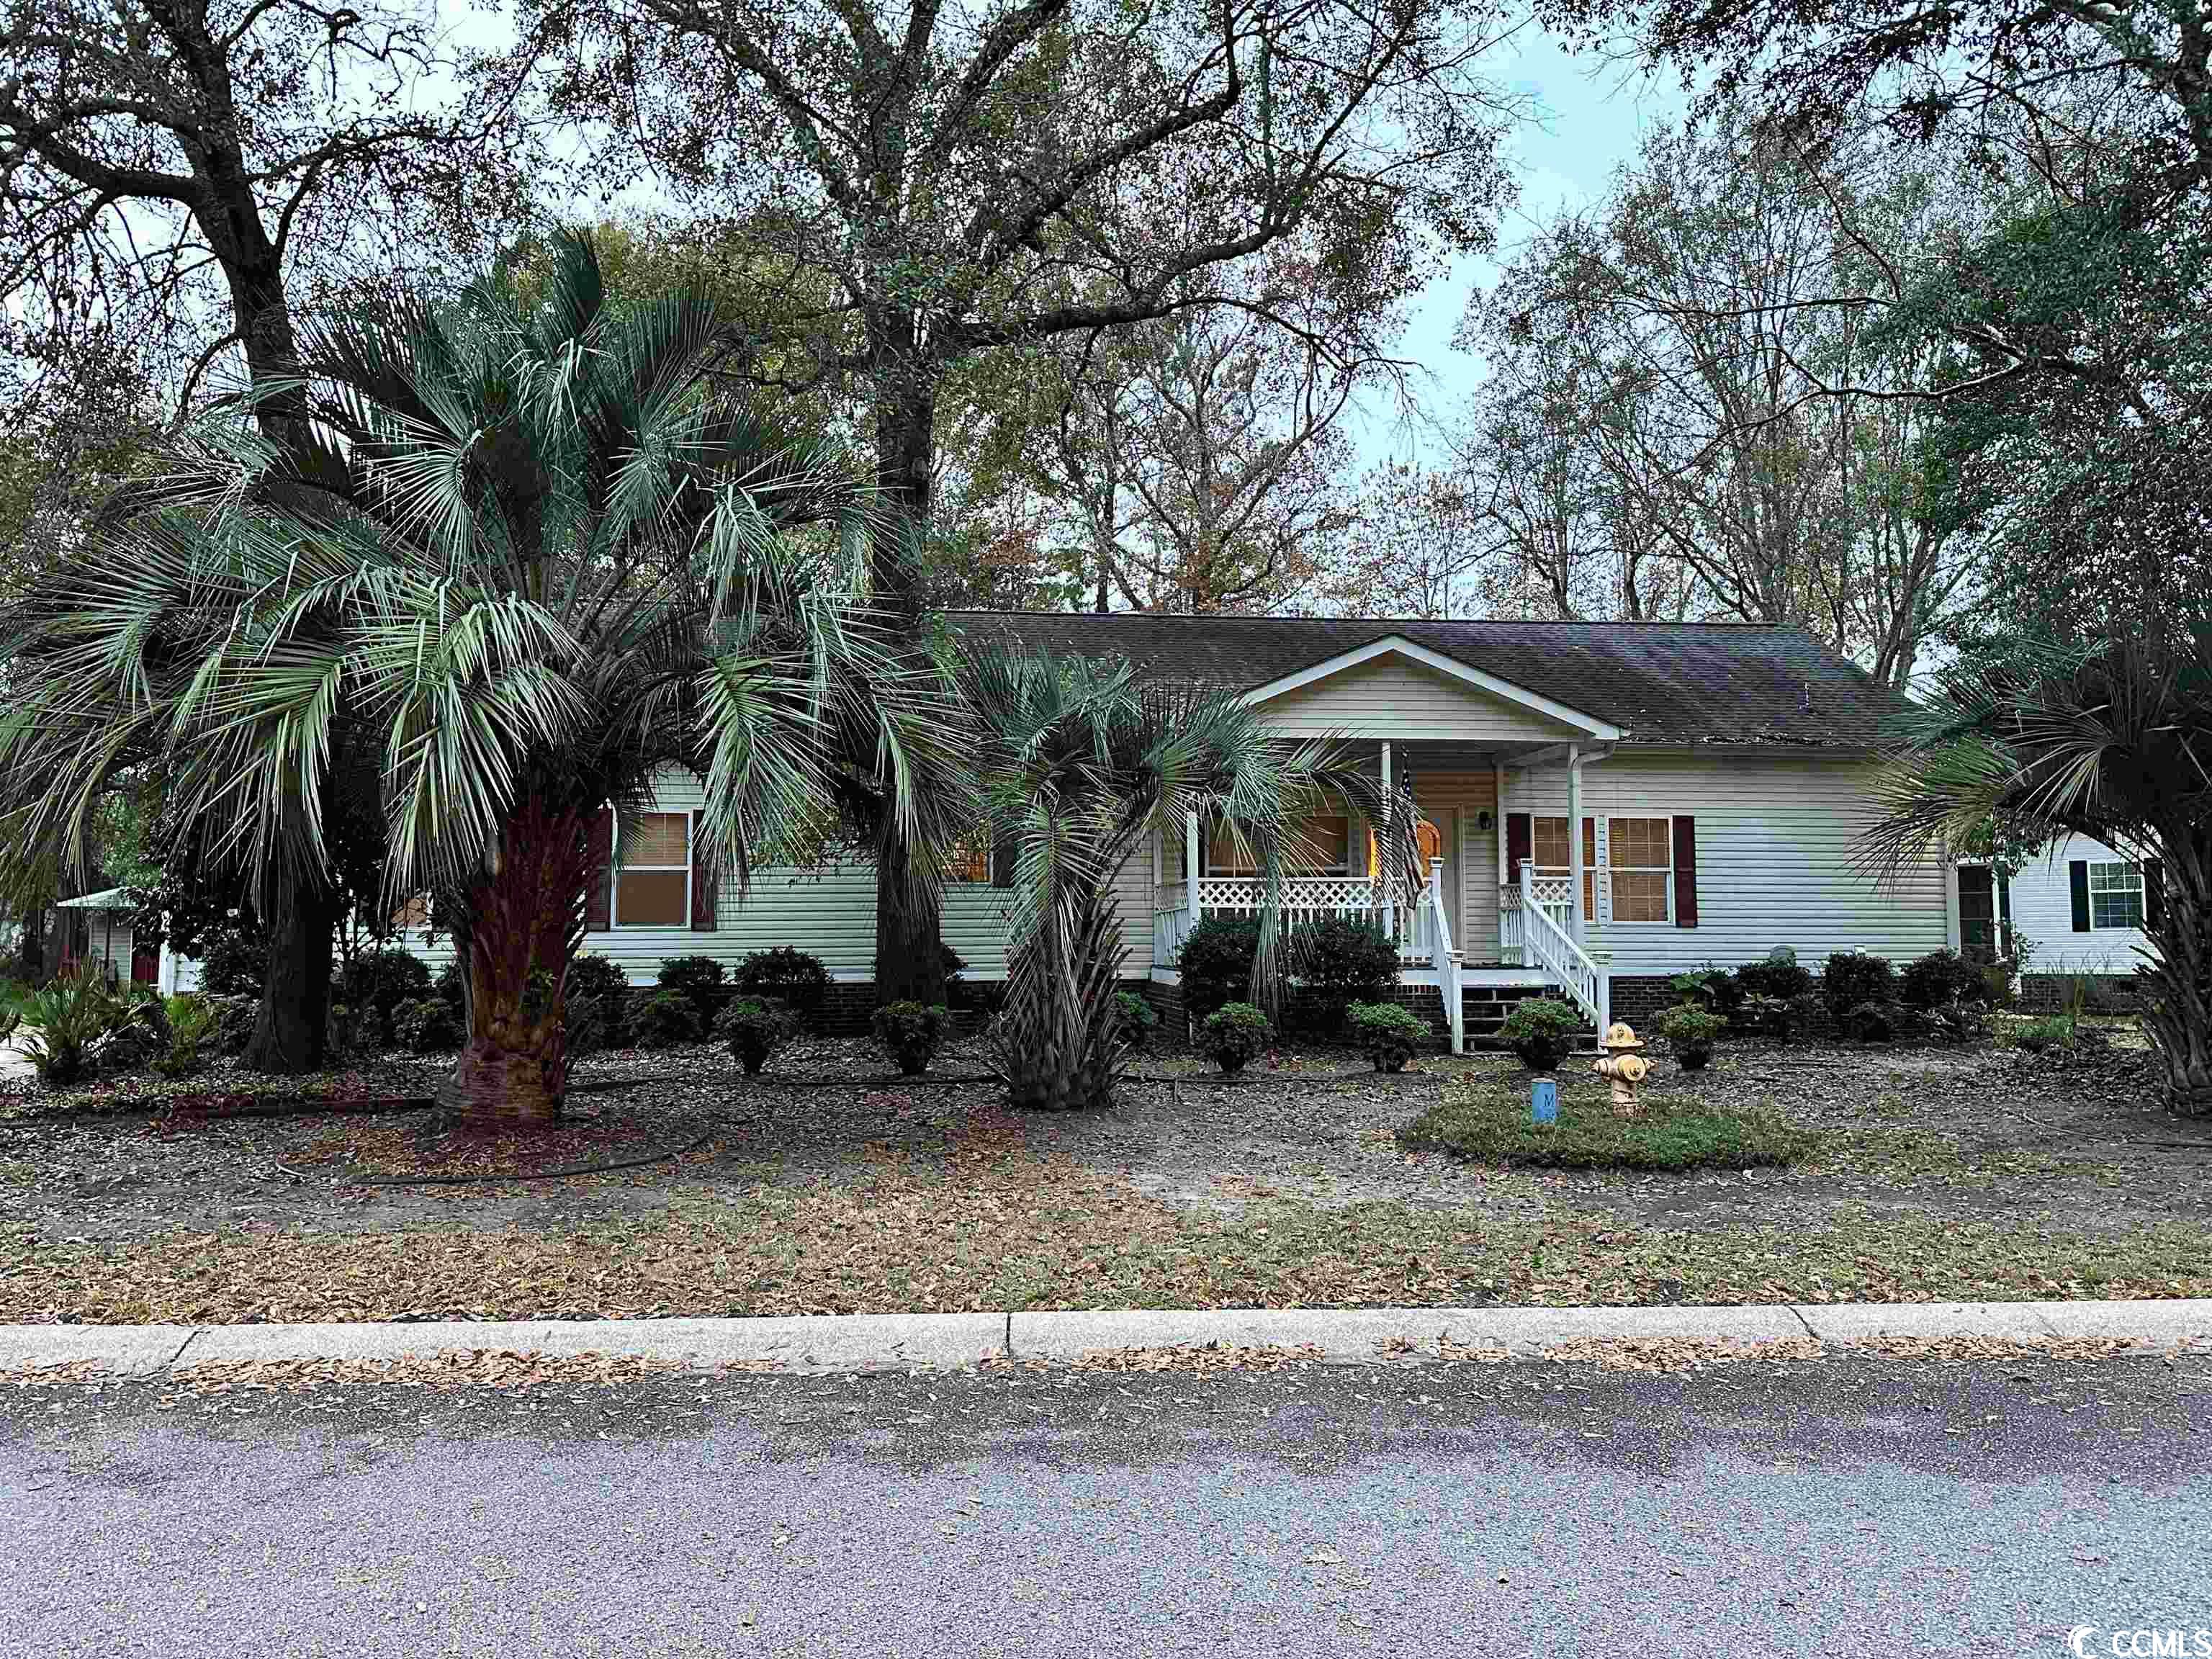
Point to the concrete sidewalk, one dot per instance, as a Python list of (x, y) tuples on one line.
[(904, 1341)]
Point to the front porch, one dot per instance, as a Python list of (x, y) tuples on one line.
[(1486, 917)]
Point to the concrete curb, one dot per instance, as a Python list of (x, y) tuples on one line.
[(909, 1341)]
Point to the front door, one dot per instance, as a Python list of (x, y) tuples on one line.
[(1438, 832), (1978, 914)]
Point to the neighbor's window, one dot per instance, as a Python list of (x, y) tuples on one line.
[(2116, 896), (1642, 853), (653, 879)]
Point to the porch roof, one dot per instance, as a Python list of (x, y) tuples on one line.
[(1667, 683)]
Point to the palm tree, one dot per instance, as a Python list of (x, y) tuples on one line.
[(2114, 742), (1080, 765), (527, 557)]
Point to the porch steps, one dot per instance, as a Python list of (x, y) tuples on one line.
[(1486, 1007)]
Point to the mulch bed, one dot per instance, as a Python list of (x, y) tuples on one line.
[(1938, 1174)]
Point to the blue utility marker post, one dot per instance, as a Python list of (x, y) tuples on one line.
[(1544, 1102)]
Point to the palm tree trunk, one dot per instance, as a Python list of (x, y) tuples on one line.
[(1059, 1040), (2178, 1012), (526, 920)]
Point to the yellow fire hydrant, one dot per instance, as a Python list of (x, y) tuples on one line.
[(1622, 1066)]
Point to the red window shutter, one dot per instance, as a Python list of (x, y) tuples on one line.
[(599, 903), (1686, 873), (703, 882), (1520, 839)]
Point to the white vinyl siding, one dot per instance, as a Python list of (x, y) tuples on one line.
[(2042, 914), (1390, 697), (830, 912), (1778, 839)]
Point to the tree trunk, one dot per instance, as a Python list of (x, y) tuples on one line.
[(288, 1035), (2177, 1011), (909, 950), (526, 920), (906, 455), (1060, 1044)]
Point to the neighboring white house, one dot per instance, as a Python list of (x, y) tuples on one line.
[(2078, 907), (1603, 806)]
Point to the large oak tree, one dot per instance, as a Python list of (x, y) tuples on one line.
[(998, 174)]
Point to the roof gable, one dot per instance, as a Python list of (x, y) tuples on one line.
[(1398, 645)]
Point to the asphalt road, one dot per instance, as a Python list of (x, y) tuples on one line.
[(1842, 1506)]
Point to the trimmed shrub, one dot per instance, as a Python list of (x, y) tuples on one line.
[(910, 1033), (787, 976), (1138, 1016), (1233, 1035), (1690, 1030), (698, 980), (1539, 1030), (234, 963), (427, 1026), (1778, 975), (1340, 961), (1941, 978), (1215, 963), (1389, 1032), (350, 1033), (1851, 978), (1785, 1019), (665, 1018), (1875, 1021), (753, 1031)]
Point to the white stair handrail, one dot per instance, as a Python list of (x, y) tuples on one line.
[(1445, 958), (1561, 956)]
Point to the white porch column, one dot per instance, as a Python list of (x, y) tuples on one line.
[(1191, 866), (1575, 840), (1503, 875), (1389, 849)]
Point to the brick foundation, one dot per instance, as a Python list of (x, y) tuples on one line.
[(2049, 994), (1637, 997)]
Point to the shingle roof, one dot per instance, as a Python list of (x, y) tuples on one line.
[(1663, 682)]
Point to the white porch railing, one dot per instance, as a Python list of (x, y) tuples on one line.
[(1177, 905), (1544, 937)]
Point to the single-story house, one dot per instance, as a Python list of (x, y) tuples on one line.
[(1603, 806)]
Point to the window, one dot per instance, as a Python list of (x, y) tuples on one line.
[(1321, 846), (653, 875), (1642, 865), (1547, 842), (2116, 896)]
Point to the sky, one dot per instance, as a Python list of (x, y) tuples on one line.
[(1592, 117)]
